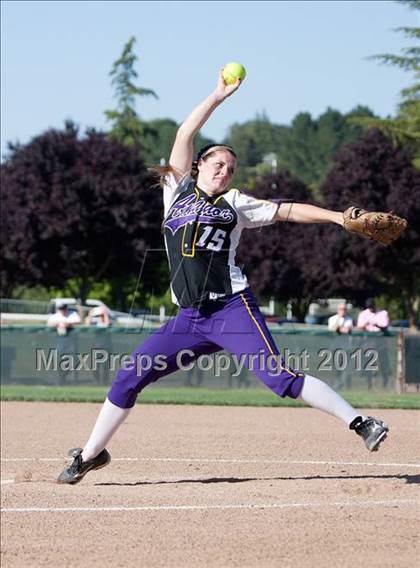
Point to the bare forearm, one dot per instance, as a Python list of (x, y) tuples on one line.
[(182, 150), (304, 213), (198, 117)]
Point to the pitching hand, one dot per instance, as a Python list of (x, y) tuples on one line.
[(223, 90)]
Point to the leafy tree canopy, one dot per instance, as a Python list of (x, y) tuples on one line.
[(373, 174), (254, 139), (159, 139), (404, 128), (303, 262), (310, 143), (274, 256), (76, 208), (305, 148), (126, 125)]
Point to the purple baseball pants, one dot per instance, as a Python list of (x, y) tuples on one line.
[(234, 324)]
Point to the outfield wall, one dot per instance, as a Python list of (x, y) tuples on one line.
[(360, 361)]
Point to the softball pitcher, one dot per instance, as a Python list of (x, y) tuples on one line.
[(203, 221)]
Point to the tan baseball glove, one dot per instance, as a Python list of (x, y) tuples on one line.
[(384, 228)]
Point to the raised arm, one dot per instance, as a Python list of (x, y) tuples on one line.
[(304, 213), (182, 151)]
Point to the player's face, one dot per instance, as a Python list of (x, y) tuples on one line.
[(216, 171)]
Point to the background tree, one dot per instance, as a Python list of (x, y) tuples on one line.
[(309, 144), (126, 124), (254, 139), (159, 139), (404, 128), (77, 210), (274, 257), (376, 175), (305, 148), (305, 262)]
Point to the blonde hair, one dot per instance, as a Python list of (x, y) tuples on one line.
[(161, 172)]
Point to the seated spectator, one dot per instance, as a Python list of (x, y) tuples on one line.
[(341, 322), (372, 319), (64, 320)]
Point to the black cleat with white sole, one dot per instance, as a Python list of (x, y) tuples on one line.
[(372, 430), (76, 471)]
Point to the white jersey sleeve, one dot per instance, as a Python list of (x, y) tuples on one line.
[(252, 212), (172, 188)]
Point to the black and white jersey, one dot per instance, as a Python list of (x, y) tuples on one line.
[(201, 236)]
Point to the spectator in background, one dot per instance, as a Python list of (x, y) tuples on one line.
[(341, 322), (372, 319), (375, 321), (98, 316), (63, 320)]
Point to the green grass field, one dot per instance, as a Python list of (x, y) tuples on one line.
[(232, 397)]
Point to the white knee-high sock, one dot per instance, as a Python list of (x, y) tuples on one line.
[(109, 420), (319, 395)]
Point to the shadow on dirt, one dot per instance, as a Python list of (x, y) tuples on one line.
[(409, 479)]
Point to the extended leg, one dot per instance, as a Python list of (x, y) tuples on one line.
[(162, 349), (251, 337)]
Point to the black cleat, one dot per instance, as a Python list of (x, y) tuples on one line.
[(76, 471), (372, 431)]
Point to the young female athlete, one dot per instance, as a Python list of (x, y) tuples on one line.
[(203, 220)]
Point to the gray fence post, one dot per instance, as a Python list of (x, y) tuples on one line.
[(400, 386)]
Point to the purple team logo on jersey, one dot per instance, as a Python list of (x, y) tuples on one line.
[(187, 210)]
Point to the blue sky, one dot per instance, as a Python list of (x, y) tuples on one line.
[(300, 56)]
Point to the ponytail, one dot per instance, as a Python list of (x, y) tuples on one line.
[(161, 173)]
